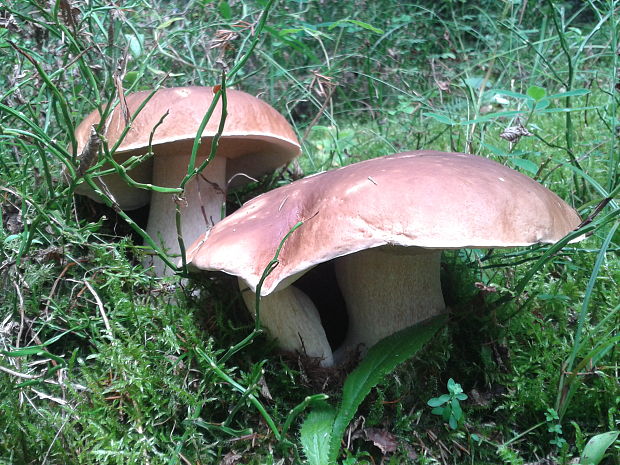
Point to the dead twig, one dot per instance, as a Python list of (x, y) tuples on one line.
[(106, 322)]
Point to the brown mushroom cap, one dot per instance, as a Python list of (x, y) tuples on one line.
[(423, 199), (256, 138)]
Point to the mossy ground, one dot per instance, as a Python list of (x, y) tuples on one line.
[(101, 362)]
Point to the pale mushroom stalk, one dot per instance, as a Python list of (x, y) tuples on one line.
[(387, 289), (201, 204), (292, 319)]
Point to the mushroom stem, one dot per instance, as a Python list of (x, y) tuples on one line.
[(290, 317), (386, 290), (201, 204)]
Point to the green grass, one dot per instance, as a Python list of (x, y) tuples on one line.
[(103, 363)]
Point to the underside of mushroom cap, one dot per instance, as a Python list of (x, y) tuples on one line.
[(423, 199)]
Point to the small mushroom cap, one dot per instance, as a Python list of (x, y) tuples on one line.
[(256, 138), (426, 199)]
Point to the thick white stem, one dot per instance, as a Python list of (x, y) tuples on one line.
[(386, 290), (201, 205), (290, 317)]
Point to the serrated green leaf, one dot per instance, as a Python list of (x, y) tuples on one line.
[(316, 434), (380, 360), (597, 446)]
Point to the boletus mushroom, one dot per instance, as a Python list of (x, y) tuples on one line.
[(256, 140), (384, 222)]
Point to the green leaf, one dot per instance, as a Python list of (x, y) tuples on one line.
[(225, 10), (130, 78), (361, 24), (596, 447), (542, 104), (441, 118), (12, 237), (438, 410), (535, 92), (213, 426), (437, 401), (525, 165), (316, 434), (567, 110), (508, 93), (33, 350), (135, 44), (294, 413), (491, 116), (167, 23), (381, 359), (570, 93), (457, 411), (476, 82)]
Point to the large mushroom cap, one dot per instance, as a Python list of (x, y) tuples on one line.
[(256, 138), (423, 199)]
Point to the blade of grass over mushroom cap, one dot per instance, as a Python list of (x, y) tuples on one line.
[(398, 211), (247, 136)]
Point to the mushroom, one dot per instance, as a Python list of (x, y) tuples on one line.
[(384, 222), (256, 139)]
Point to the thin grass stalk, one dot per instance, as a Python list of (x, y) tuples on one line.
[(257, 34), (141, 232), (257, 372), (257, 326), (551, 253), (191, 167), (66, 118), (251, 397), (562, 402), (614, 149), (220, 93)]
